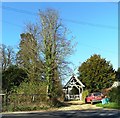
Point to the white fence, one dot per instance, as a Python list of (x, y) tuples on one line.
[(73, 97)]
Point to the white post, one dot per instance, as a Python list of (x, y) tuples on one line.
[(79, 94)]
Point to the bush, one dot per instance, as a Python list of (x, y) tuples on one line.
[(30, 108), (27, 95), (31, 88), (23, 102), (13, 76), (84, 94), (114, 95)]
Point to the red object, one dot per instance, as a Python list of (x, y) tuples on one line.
[(94, 97)]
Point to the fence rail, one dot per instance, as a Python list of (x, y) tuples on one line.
[(72, 97)]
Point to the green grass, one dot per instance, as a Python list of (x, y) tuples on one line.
[(110, 105)]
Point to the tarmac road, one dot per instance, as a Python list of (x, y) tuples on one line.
[(94, 113)]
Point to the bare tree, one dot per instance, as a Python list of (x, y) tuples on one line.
[(52, 48), (8, 56), (55, 47)]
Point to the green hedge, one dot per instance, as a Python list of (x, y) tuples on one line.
[(114, 95)]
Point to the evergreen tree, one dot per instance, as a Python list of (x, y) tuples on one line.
[(96, 73), (28, 56)]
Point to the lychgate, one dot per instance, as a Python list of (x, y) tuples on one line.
[(73, 89)]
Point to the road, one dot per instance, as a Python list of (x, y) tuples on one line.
[(68, 114), (73, 110)]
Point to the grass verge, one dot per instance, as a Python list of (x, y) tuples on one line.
[(110, 105)]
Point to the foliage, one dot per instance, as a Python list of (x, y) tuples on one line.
[(8, 56), (96, 73), (36, 87), (44, 49), (22, 102), (28, 56), (84, 94), (30, 108), (111, 105), (28, 96), (11, 77), (0, 81), (114, 95), (43, 55), (118, 74)]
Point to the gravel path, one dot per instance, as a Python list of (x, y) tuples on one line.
[(77, 105)]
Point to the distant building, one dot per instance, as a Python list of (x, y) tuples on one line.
[(73, 89)]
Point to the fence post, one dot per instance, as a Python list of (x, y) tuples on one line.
[(6, 102), (15, 101), (0, 102), (33, 98), (3, 103)]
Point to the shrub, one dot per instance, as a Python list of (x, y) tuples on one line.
[(27, 95), (114, 95), (31, 88), (84, 94), (30, 108)]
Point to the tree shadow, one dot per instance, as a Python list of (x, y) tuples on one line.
[(69, 103)]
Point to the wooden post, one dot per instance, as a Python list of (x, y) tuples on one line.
[(79, 93)]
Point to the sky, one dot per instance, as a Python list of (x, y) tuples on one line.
[(93, 24)]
